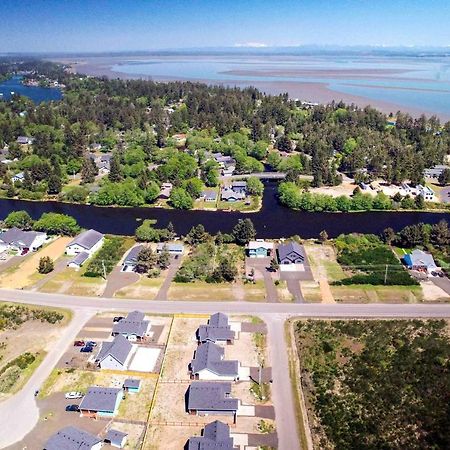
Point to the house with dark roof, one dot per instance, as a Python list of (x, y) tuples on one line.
[(216, 436), (134, 327), (209, 195), (209, 364), (239, 186), (130, 262), (101, 401), (115, 354), (116, 438), (71, 438), (211, 397), (103, 163), (22, 241), (228, 195), (291, 253), (419, 260), (88, 241), (217, 330), (132, 385)]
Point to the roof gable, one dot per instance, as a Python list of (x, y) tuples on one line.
[(87, 239)]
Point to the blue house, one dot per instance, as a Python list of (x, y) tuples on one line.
[(100, 401), (259, 249), (132, 385)]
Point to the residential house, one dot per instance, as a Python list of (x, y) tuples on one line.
[(209, 196), (228, 195), (211, 397), (134, 327), (78, 261), (18, 177), (291, 253), (259, 249), (116, 438), (115, 354), (22, 241), (216, 436), (426, 192), (71, 438), (101, 401), (166, 189), (217, 330), (25, 140), (103, 164), (209, 364), (130, 262), (421, 261), (239, 186), (173, 249), (435, 172), (96, 147), (88, 241), (132, 385), (408, 189)]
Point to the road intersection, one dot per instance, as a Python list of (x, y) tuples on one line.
[(19, 414)]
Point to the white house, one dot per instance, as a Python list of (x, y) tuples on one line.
[(18, 177), (22, 241), (115, 354), (78, 261), (88, 241), (426, 192)]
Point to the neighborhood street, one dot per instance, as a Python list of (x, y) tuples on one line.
[(19, 414)]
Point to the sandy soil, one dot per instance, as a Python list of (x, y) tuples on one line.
[(243, 349), (20, 277), (431, 292), (170, 437)]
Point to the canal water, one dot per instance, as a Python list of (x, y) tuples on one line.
[(36, 93), (272, 221)]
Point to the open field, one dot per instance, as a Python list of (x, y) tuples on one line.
[(201, 290), (145, 288), (377, 294)]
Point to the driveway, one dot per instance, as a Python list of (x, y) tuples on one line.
[(175, 263), (260, 265), (443, 283), (60, 265), (445, 194), (293, 285), (19, 414), (118, 280)]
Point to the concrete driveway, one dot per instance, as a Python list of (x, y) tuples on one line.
[(443, 283), (175, 263), (445, 194), (19, 414), (118, 280), (260, 265)]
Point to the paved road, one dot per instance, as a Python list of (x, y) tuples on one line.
[(443, 283), (19, 414)]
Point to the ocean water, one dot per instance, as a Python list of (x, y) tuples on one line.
[(37, 94), (415, 82)]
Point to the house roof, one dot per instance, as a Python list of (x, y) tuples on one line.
[(239, 183), (253, 245), (209, 356), (18, 237), (218, 319), (71, 438), (100, 399), (211, 396), (87, 239), (285, 249), (115, 436), (420, 258), (131, 258), (131, 383), (133, 324), (216, 436), (24, 139), (80, 258), (210, 195), (229, 194), (119, 349), (217, 329), (170, 247)]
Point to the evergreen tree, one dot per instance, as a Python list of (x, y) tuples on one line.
[(46, 265), (88, 171), (146, 260), (164, 258), (115, 169), (54, 185), (244, 231)]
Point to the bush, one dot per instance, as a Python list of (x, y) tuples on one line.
[(54, 223), (46, 265), (19, 219), (106, 258)]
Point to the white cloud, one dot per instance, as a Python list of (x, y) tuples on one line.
[(251, 44)]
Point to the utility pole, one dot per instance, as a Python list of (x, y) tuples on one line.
[(385, 274), (104, 269)]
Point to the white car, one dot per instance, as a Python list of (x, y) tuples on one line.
[(73, 395)]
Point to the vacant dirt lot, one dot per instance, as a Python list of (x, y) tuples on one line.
[(20, 276), (143, 289), (169, 437)]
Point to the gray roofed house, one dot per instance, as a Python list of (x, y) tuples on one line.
[(208, 363), (290, 253), (24, 140), (23, 240), (419, 260), (435, 172), (217, 329), (79, 260), (132, 385), (115, 354), (173, 249), (239, 186), (116, 438), (216, 436), (88, 241), (71, 438), (130, 261), (133, 327), (101, 400), (209, 196), (229, 195), (211, 398)]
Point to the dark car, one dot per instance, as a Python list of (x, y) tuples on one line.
[(79, 344), (72, 408), (118, 319), (87, 349), (36, 393)]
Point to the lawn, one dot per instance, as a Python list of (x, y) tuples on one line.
[(145, 288), (366, 293), (200, 290)]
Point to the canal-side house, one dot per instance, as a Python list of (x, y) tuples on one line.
[(216, 435), (88, 241), (239, 186), (173, 249), (101, 401), (228, 195), (22, 241), (115, 354), (134, 327), (290, 253), (209, 196), (131, 260), (259, 249), (25, 140), (166, 189), (211, 398), (216, 330), (209, 364), (18, 177), (71, 438), (420, 261)]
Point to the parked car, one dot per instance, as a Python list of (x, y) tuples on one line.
[(73, 394), (36, 392), (91, 344), (79, 344), (72, 408), (118, 319), (86, 349)]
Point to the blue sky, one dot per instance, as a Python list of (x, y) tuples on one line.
[(114, 25)]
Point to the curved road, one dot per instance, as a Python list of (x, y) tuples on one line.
[(19, 414)]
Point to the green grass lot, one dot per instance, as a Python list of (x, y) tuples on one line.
[(255, 205), (334, 270), (202, 291), (366, 293), (144, 289), (254, 292), (311, 291)]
